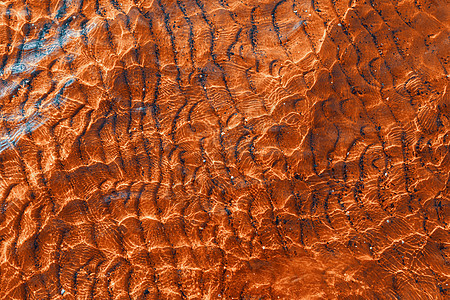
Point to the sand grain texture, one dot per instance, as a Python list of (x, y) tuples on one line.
[(228, 149)]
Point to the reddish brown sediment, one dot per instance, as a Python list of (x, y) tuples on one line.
[(224, 149)]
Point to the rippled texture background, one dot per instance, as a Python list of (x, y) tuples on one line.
[(224, 149)]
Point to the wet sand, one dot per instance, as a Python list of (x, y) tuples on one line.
[(228, 149)]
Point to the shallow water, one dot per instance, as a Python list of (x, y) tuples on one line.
[(226, 149)]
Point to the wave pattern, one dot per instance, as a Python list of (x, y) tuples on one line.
[(193, 149)]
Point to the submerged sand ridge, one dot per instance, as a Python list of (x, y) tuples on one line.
[(224, 149)]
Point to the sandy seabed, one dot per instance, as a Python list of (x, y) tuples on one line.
[(224, 149)]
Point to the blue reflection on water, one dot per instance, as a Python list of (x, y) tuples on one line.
[(34, 52)]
